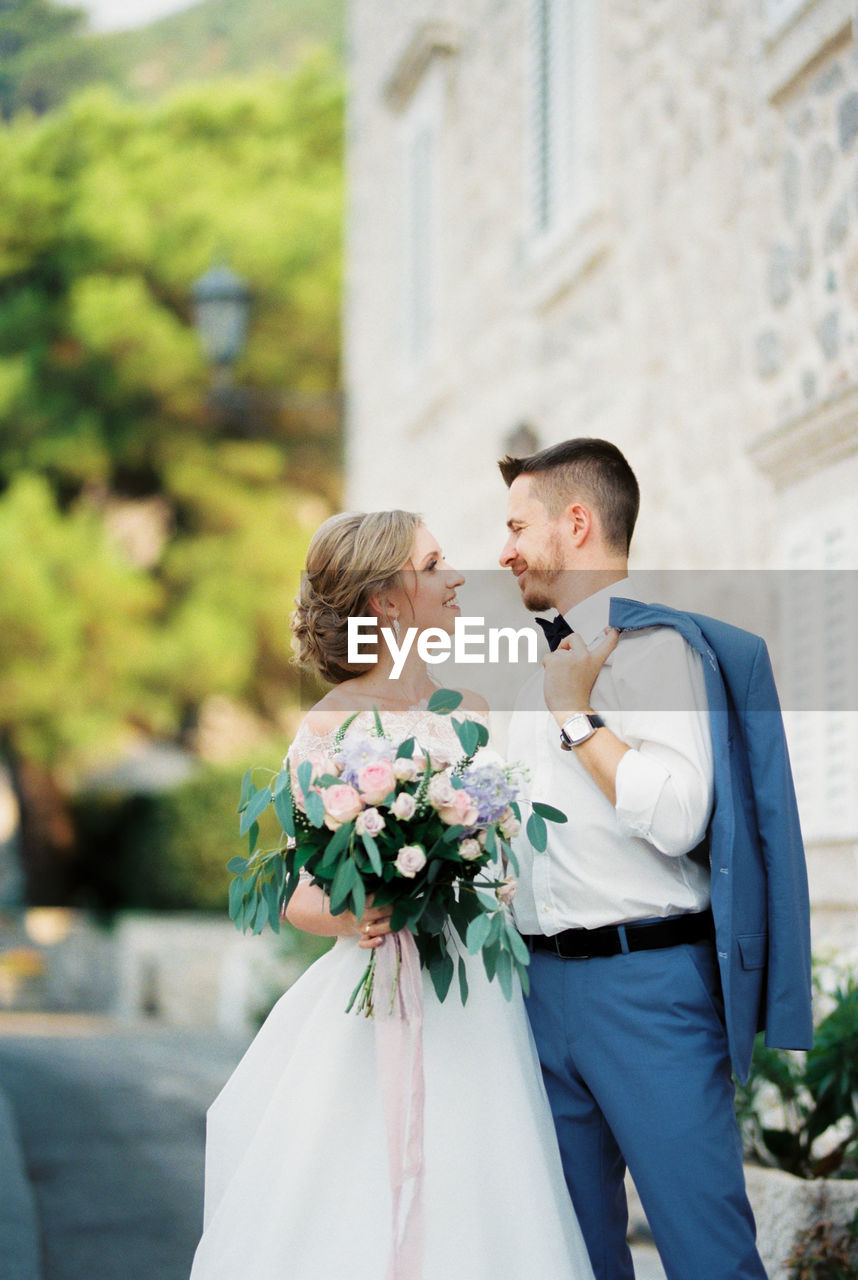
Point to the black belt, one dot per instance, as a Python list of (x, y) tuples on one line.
[(585, 944)]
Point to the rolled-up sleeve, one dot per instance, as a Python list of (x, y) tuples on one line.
[(664, 783)]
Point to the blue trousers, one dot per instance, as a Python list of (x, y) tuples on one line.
[(635, 1062)]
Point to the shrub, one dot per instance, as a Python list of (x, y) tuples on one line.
[(799, 1112), (164, 851)]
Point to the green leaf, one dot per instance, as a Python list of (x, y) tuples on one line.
[(441, 972), (237, 865), (478, 932), (255, 806), (247, 790), (490, 959), (343, 883), (468, 733), (305, 776), (271, 894), (372, 852), (510, 856), (338, 841), (524, 979), (433, 916), (236, 897), (252, 836), (358, 898), (315, 808), (400, 915), (504, 973), (549, 812), (537, 832), (379, 727), (405, 750), (282, 781), (443, 701), (260, 915), (284, 810), (517, 945), (463, 980)]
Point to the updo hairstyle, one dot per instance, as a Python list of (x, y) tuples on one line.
[(351, 557)]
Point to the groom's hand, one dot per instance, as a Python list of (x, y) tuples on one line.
[(571, 671)]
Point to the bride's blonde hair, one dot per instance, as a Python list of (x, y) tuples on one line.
[(350, 558)]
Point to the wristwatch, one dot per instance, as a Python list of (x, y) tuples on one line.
[(578, 729)]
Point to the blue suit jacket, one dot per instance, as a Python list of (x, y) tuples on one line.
[(759, 878)]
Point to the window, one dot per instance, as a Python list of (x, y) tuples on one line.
[(562, 109)]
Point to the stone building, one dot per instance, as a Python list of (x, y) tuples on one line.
[(637, 221)]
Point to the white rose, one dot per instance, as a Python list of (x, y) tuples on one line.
[(509, 824), (403, 806), (441, 791), (470, 849), (410, 860), (506, 891), (404, 770), (370, 822)]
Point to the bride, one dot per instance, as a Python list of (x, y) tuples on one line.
[(297, 1173)]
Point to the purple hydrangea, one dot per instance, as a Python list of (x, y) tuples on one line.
[(492, 790), (358, 749)]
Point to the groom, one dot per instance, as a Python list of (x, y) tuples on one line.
[(668, 920)]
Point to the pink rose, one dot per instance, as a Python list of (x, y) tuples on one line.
[(461, 812), (506, 891), (376, 781), (410, 860), (470, 849), (405, 770), (342, 803), (370, 822), (403, 806)]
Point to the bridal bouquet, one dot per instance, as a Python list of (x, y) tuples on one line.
[(414, 830)]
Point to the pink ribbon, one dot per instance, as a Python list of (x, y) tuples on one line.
[(399, 1043)]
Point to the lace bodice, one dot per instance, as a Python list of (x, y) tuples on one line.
[(432, 732)]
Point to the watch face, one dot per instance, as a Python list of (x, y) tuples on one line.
[(578, 727)]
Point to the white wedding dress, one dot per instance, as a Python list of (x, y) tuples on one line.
[(297, 1177)]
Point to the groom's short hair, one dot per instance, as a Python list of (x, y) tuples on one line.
[(586, 467)]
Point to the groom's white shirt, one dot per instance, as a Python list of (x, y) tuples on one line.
[(612, 864)]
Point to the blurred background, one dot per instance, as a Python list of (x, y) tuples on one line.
[(171, 207)]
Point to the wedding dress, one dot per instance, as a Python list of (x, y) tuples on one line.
[(297, 1177)]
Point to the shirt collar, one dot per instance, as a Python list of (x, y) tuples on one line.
[(590, 617)]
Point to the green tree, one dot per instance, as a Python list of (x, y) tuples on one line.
[(44, 56), (110, 212)]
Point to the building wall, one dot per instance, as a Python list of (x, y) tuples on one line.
[(696, 304)]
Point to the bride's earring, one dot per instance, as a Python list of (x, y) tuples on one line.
[(396, 629)]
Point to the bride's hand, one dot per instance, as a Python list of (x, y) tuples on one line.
[(373, 925)]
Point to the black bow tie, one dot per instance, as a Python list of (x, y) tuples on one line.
[(556, 629)]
